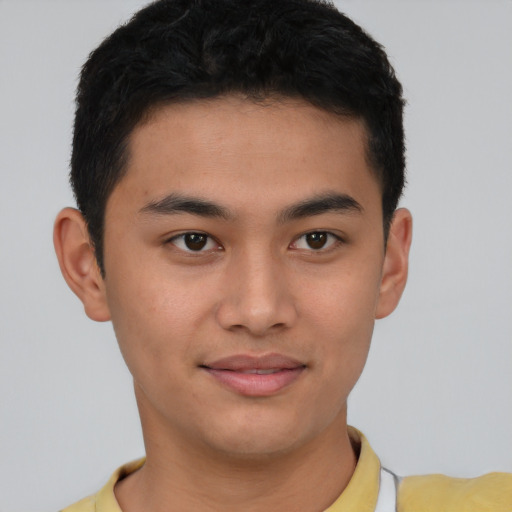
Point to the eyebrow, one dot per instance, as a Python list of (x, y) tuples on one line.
[(177, 203), (324, 203)]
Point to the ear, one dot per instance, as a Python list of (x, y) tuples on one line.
[(78, 264), (396, 263)]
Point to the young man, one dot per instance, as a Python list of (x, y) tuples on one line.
[(237, 168)]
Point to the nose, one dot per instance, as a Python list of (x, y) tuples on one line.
[(257, 297)]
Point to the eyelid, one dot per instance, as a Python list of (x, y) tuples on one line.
[(338, 239), (172, 241)]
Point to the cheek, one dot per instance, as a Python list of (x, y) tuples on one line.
[(341, 311), (152, 318), (345, 300)]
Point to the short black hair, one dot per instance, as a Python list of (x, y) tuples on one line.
[(186, 50)]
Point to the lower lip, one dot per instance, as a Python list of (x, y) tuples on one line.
[(254, 384)]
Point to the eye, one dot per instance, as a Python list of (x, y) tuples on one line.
[(194, 242), (316, 241)]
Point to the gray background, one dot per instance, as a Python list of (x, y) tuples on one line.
[(436, 395)]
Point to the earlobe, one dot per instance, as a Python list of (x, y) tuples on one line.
[(396, 263), (78, 265)]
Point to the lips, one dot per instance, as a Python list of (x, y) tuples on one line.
[(255, 376)]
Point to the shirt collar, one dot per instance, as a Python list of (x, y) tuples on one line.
[(360, 494)]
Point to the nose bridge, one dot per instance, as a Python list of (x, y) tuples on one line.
[(258, 298)]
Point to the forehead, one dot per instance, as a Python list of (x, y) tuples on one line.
[(227, 148)]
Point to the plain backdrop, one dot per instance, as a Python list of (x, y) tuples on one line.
[(436, 395)]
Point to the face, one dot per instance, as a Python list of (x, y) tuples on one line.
[(244, 260)]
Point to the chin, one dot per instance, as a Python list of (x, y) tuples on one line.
[(258, 438)]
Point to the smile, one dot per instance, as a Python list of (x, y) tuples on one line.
[(255, 376), (261, 371)]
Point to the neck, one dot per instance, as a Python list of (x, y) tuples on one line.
[(187, 476)]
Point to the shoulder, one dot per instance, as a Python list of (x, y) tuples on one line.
[(85, 505), (105, 499), (488, 493)]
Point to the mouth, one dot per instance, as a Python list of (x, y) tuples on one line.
[(255, 376)]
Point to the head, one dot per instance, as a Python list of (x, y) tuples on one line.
[(179, 51), (237, 167)]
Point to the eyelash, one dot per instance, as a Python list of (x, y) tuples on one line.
[(335, 240), (182, 237), (331, 240)]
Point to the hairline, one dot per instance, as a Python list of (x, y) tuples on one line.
[(268, 100)]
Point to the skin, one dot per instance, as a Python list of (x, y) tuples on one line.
[(262, 284)]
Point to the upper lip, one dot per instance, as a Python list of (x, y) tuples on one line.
[(243, 362)]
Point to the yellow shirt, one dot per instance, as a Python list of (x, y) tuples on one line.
[(428, 493)]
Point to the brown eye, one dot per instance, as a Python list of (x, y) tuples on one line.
[(316, 240), (195, 241)]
